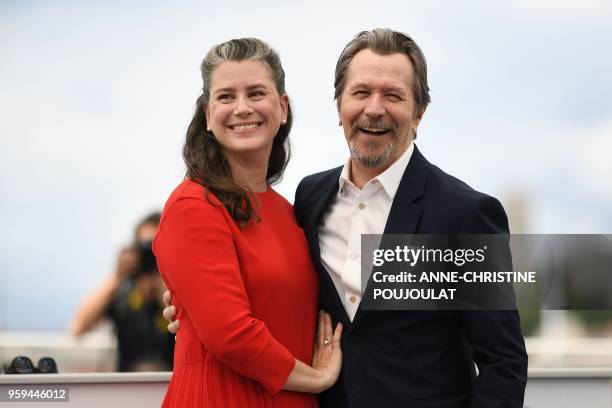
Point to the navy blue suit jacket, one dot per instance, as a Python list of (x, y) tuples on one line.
[(421, 359)]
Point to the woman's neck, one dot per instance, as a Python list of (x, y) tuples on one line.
[(250, 172)]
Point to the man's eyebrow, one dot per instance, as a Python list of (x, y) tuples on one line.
[(386, 89), (359, 85), (393, 89)]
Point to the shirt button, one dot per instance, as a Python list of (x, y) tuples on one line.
[(353, 299), (361, 206), (354, 256)]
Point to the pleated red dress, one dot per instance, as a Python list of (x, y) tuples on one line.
[(246, 300)]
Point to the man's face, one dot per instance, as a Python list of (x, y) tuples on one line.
[(377, 108)]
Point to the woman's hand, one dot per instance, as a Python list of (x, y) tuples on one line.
[(326, 360), (327, 353)]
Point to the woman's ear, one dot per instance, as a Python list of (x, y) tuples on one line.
[(284, 100), (207, 117)]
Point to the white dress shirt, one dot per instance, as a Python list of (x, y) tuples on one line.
[(354, 212)]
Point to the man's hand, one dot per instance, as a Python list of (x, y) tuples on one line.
[(170, 313)]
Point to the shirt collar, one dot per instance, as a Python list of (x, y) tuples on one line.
[(345, 176), (390, 178)]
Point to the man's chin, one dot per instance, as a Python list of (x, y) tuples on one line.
[(371, 158)]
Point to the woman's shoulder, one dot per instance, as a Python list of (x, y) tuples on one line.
[(276, 196), (191, 194), (190, 189)]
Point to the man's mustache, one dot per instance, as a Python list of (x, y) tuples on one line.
[(372, 124)]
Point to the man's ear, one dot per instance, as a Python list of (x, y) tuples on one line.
[(417, 120)]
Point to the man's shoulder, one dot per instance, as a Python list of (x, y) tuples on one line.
[(310, 184), (454, 201), (452, 187), (311, 191)]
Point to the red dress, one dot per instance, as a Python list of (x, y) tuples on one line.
[(246, 300)]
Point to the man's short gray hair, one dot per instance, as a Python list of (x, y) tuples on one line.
[(384, 41)]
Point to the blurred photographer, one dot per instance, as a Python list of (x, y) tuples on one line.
[(130, 297)]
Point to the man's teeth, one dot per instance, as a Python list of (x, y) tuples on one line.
[(246, 127), (375, 130)]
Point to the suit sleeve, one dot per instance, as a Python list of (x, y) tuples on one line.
[(196, 253), (495, 335), (298, 204)]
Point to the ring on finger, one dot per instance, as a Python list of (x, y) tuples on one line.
[(326, 342)]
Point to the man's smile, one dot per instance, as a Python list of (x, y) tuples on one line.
[(374, 131)]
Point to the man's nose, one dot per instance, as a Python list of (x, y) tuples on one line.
[(243, 106), (374, 108)]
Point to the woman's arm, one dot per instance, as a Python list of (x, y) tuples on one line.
[(326, 362)]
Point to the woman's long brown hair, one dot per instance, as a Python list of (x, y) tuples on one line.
[(206, 162)]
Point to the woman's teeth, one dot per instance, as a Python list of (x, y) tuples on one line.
[(245, 127)]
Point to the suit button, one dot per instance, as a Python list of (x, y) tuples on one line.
[(352, 338)]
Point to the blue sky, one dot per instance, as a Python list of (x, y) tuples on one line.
[(96, 98)]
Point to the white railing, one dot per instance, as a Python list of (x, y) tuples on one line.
[(552, 387), (546, 388)]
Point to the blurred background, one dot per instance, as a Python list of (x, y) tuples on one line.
[(96, 97)]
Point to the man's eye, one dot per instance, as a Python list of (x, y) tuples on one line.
[(257, 94), (361, 93), (393, 97)]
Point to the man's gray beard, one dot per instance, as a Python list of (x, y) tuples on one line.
[(370, 159)]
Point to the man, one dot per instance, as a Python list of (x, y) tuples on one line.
[(401, 358)]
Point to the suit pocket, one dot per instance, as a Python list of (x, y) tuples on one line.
[(448, 401)]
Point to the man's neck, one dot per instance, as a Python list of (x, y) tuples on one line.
[(360, 175)]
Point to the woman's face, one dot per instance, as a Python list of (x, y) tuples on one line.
[(245, 111)]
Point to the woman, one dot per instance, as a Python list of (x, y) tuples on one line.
[(232, 255)]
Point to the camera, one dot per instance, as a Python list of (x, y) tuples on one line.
[(148, 264)]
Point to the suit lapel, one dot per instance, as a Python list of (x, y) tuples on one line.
[(405, 214), (329, 191)]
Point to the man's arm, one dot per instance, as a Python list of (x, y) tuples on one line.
[(495, 335), (298, 204)]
